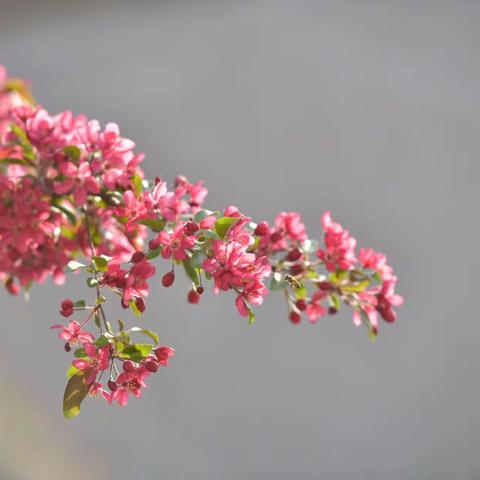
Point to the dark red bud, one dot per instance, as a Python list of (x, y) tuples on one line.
[(168, 279), (277, 236), (294, 255), (200, 290), (262, 229), (112, 385), (67, 304), (128, 366), (12, 287), (66, 313), (388, 315), (67, 347), (140, 304), (332, 310), (137, 257), (301, 304), (154, 243), (296, 269), (192, 228), (151, 366), (325, 286), (295, 317), (193, 297)]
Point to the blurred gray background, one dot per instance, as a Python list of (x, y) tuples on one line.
[(367, 108)]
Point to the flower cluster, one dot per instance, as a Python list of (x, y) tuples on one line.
[(74, 198)]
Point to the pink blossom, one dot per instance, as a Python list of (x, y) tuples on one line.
[(72, 333), (339, 251), (98, 359), (176, 243)]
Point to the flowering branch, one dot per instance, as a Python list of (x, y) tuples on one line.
[(74, 198)]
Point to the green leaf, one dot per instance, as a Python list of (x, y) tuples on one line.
[(278, 282), (137, 185), (134, 308), (335, 301), (121, 325), (92, 282), (197, 259), (80, 353), (12, 161), (74, 265), (101, 264), (153, 254), (251, 317), (200, 215), (73, 152), (192, 272), (223, 225), (80, 304), (146, 332), (72, 371), (72, 219), (301, 293), (310, 246), (136, 352), (377, 278), (101, 341), (355, 287), (75, 393), (153, 223)]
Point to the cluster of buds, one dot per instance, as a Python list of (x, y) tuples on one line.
[(74, 198)]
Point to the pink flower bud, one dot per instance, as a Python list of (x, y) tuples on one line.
[(128, 366), (192, 228), (151, 366), (295, 317), (154, 244), (193, 297), (262, 229)]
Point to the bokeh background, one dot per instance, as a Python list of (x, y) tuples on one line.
[(367, 108)]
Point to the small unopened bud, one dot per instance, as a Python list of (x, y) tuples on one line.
[(67, 304), (295, 317), (67, 347), (192, 228), (112, 385), (154, 243), (193, 297), (140, 304), (137, 257), (200, 290), (332, 310), (294, 255), (325, 286), (277, 236), (128, 366), (262, 229), (168, 279), (151, 366), (66, 313), (301, 304)]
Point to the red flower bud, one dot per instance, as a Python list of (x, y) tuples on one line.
[(192, 228), (137, 257), (332, 310), (262, 229), (67, 304), (325, 286), (112, 385), (301, 304), (295, 317), (67, 347), (140, 304), (168, 279), (128, 366), (151, 366), (193, 297), (154, 243), (66, 313), (200, 290), (294, 255)]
